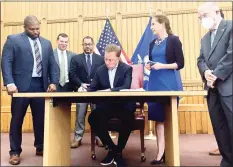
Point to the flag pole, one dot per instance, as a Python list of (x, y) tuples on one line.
[(151, 135)]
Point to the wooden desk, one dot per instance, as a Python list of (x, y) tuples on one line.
[(57, 120)]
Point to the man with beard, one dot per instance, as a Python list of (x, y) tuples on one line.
[(28, 65), (82, 71)]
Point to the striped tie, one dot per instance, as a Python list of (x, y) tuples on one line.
[(38, 59)]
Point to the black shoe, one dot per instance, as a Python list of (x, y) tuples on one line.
[(119, 160), (108, 159), (162, 160)]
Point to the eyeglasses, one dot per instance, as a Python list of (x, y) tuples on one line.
[(87, 44)]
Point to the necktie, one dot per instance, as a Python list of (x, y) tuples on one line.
[(89, 64), (212, 37), (38, 58), (62, 70)]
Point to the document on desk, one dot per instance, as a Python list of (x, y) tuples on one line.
[(132, 90)]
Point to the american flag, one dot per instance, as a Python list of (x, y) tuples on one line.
[(108, 36)]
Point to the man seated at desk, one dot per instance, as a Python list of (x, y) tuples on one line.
[(112, 76)]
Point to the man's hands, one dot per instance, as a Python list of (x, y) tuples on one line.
[(12, 89), (211, 78), (84, 85), (105, 90), (51, 88)]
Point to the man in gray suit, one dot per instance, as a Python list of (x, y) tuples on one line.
[(63, 58), (215, 66)]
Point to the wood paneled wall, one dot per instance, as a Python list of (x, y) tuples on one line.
[(129, 20)]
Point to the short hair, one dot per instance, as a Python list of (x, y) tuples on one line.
[(88, 37), (113, 48), (210, 5), (30, 20), (64, 35)]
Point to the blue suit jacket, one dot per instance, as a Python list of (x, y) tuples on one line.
[(18, 62)]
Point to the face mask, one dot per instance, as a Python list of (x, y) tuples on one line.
[(208, 22)]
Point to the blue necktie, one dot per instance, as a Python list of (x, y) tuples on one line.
[(89, 64)]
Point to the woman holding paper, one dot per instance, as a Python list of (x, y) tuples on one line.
[(166, 58)]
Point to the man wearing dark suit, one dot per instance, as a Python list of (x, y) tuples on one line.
[(216, 151), (82, 71), (27, 64), (112, 76), (215, 66), (63, 59)]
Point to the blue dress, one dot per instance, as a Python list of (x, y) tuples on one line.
[(161, 80)]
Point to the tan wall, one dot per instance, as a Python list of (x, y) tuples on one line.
[(129, 20)]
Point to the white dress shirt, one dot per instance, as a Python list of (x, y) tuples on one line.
[(66, 63), (111, 75), (34, 73)]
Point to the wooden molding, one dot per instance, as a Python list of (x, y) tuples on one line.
[(113, 16), (62, 20), (18, 23)]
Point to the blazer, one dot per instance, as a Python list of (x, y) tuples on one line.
[(78, 73), (218, 58), (122, 80), (69, 56), (174, 52), (17, 62)]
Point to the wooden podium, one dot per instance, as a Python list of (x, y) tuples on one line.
[(58, 119)]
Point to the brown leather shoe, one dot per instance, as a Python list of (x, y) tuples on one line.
[(98, 142), (75, 143), (39, 153), (14, 159), (215, 152)]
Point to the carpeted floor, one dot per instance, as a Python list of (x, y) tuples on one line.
[(193, 151)]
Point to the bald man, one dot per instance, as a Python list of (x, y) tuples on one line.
[(28, 65), (215, 67)]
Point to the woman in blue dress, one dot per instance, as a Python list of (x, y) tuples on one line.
[(167, 55)]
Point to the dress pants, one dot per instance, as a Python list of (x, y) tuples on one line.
[(81, 112), (19, 107), (98, 120), (220, 110)]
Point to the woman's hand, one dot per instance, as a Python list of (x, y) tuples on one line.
[(158, 66)]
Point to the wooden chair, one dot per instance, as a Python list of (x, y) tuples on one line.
[(139, 121)]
